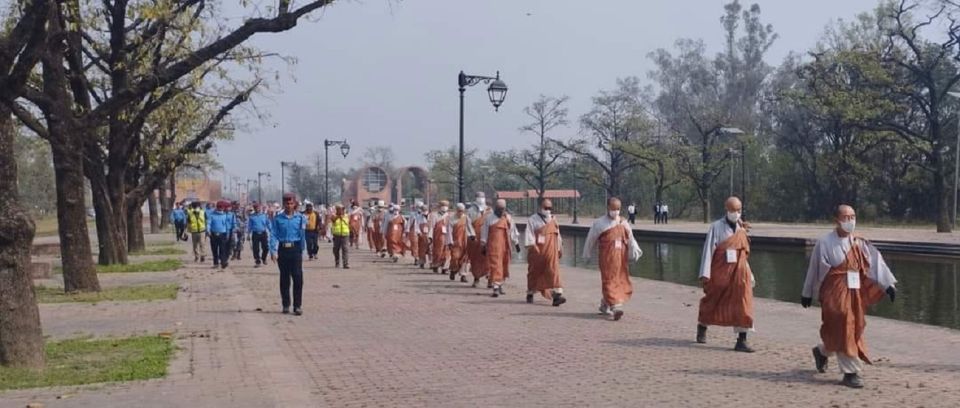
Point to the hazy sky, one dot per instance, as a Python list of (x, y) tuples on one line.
[(382, 72)]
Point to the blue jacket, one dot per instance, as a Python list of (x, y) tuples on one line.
[(219, 223), (285, 229), (258, 223), (178, 215)]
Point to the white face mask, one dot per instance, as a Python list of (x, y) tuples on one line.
[(443, 209), (849, 226), (546, 213), (613, 213), (733, 216)]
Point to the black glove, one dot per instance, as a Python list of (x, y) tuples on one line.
[(517, 247), (806, 302), (892, 292)]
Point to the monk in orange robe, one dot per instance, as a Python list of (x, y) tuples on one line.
[(460, 232), (726, 277), (393, 230), (356, 224), (612, 240), (478, 213), (498, 232), (438, 229), (544, 250), (848, 274)]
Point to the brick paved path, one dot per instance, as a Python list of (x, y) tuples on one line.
[(384, 334)]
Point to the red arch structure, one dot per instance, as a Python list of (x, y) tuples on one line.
[(375, 183)]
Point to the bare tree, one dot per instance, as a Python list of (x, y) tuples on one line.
[(539, 164)]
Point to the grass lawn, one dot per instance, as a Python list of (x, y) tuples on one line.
[(162, 265), (122, 293), (88, 361), (47, 226), (160, 250)]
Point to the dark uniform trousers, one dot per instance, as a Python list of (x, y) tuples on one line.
[(290, 261), (259, 247)]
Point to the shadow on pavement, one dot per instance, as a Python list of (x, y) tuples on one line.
[(792, 376)]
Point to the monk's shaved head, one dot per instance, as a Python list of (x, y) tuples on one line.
[(844, 212), (733, 204), (546, 203), (613, 203)]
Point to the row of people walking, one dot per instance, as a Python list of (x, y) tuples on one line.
[(846, 272)]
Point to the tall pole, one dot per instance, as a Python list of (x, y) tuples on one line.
[(731, 175), (460, 167), (259, 189), (283, 166), (576, 199), (326, 171), (743, 176)]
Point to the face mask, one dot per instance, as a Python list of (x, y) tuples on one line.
[(848, 226), (613, 213), (444, 209), (733, 216), (546, 213)]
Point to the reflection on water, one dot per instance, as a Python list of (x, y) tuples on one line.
[(928, 290)]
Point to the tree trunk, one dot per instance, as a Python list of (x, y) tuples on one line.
[(21, 337), (705, 204), (152, 207), (79, 271), (943, 193), (111, 235), (135, 241), (166, 206)]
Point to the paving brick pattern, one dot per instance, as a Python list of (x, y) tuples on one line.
[(384, 334)]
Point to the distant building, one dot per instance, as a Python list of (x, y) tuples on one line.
[(199, 188), (373, 183)]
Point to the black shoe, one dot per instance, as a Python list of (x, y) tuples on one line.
[(286, 310), (383, 254), (346, 267), (701, 334), (558, 299), (463, 278), (453, 275), (297, 311), (224, 266), (422, 266), (203, 258), (617, 314), (852, 381), (742, 347), (256, 266), (495, 293), (529, 297), (436, 270), (820, 360), (475, 282), (500, 289), (489, 285)]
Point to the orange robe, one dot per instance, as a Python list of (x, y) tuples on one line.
[(842, 309), (413, 246), (613, 247), (439, 250), (394, 236), (378, 242), (458, 249), (498, 251), (423, 243), (543, 261), (728, 294), (356, 221), (478, 261)]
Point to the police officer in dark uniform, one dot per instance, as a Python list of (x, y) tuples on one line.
[(287, 243)]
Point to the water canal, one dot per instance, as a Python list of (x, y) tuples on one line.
[(928, 288)]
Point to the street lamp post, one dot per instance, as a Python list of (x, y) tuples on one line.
[(259, 188), (344, 150), (497, 92), (576, 194), (743, 153), (283, 165)]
